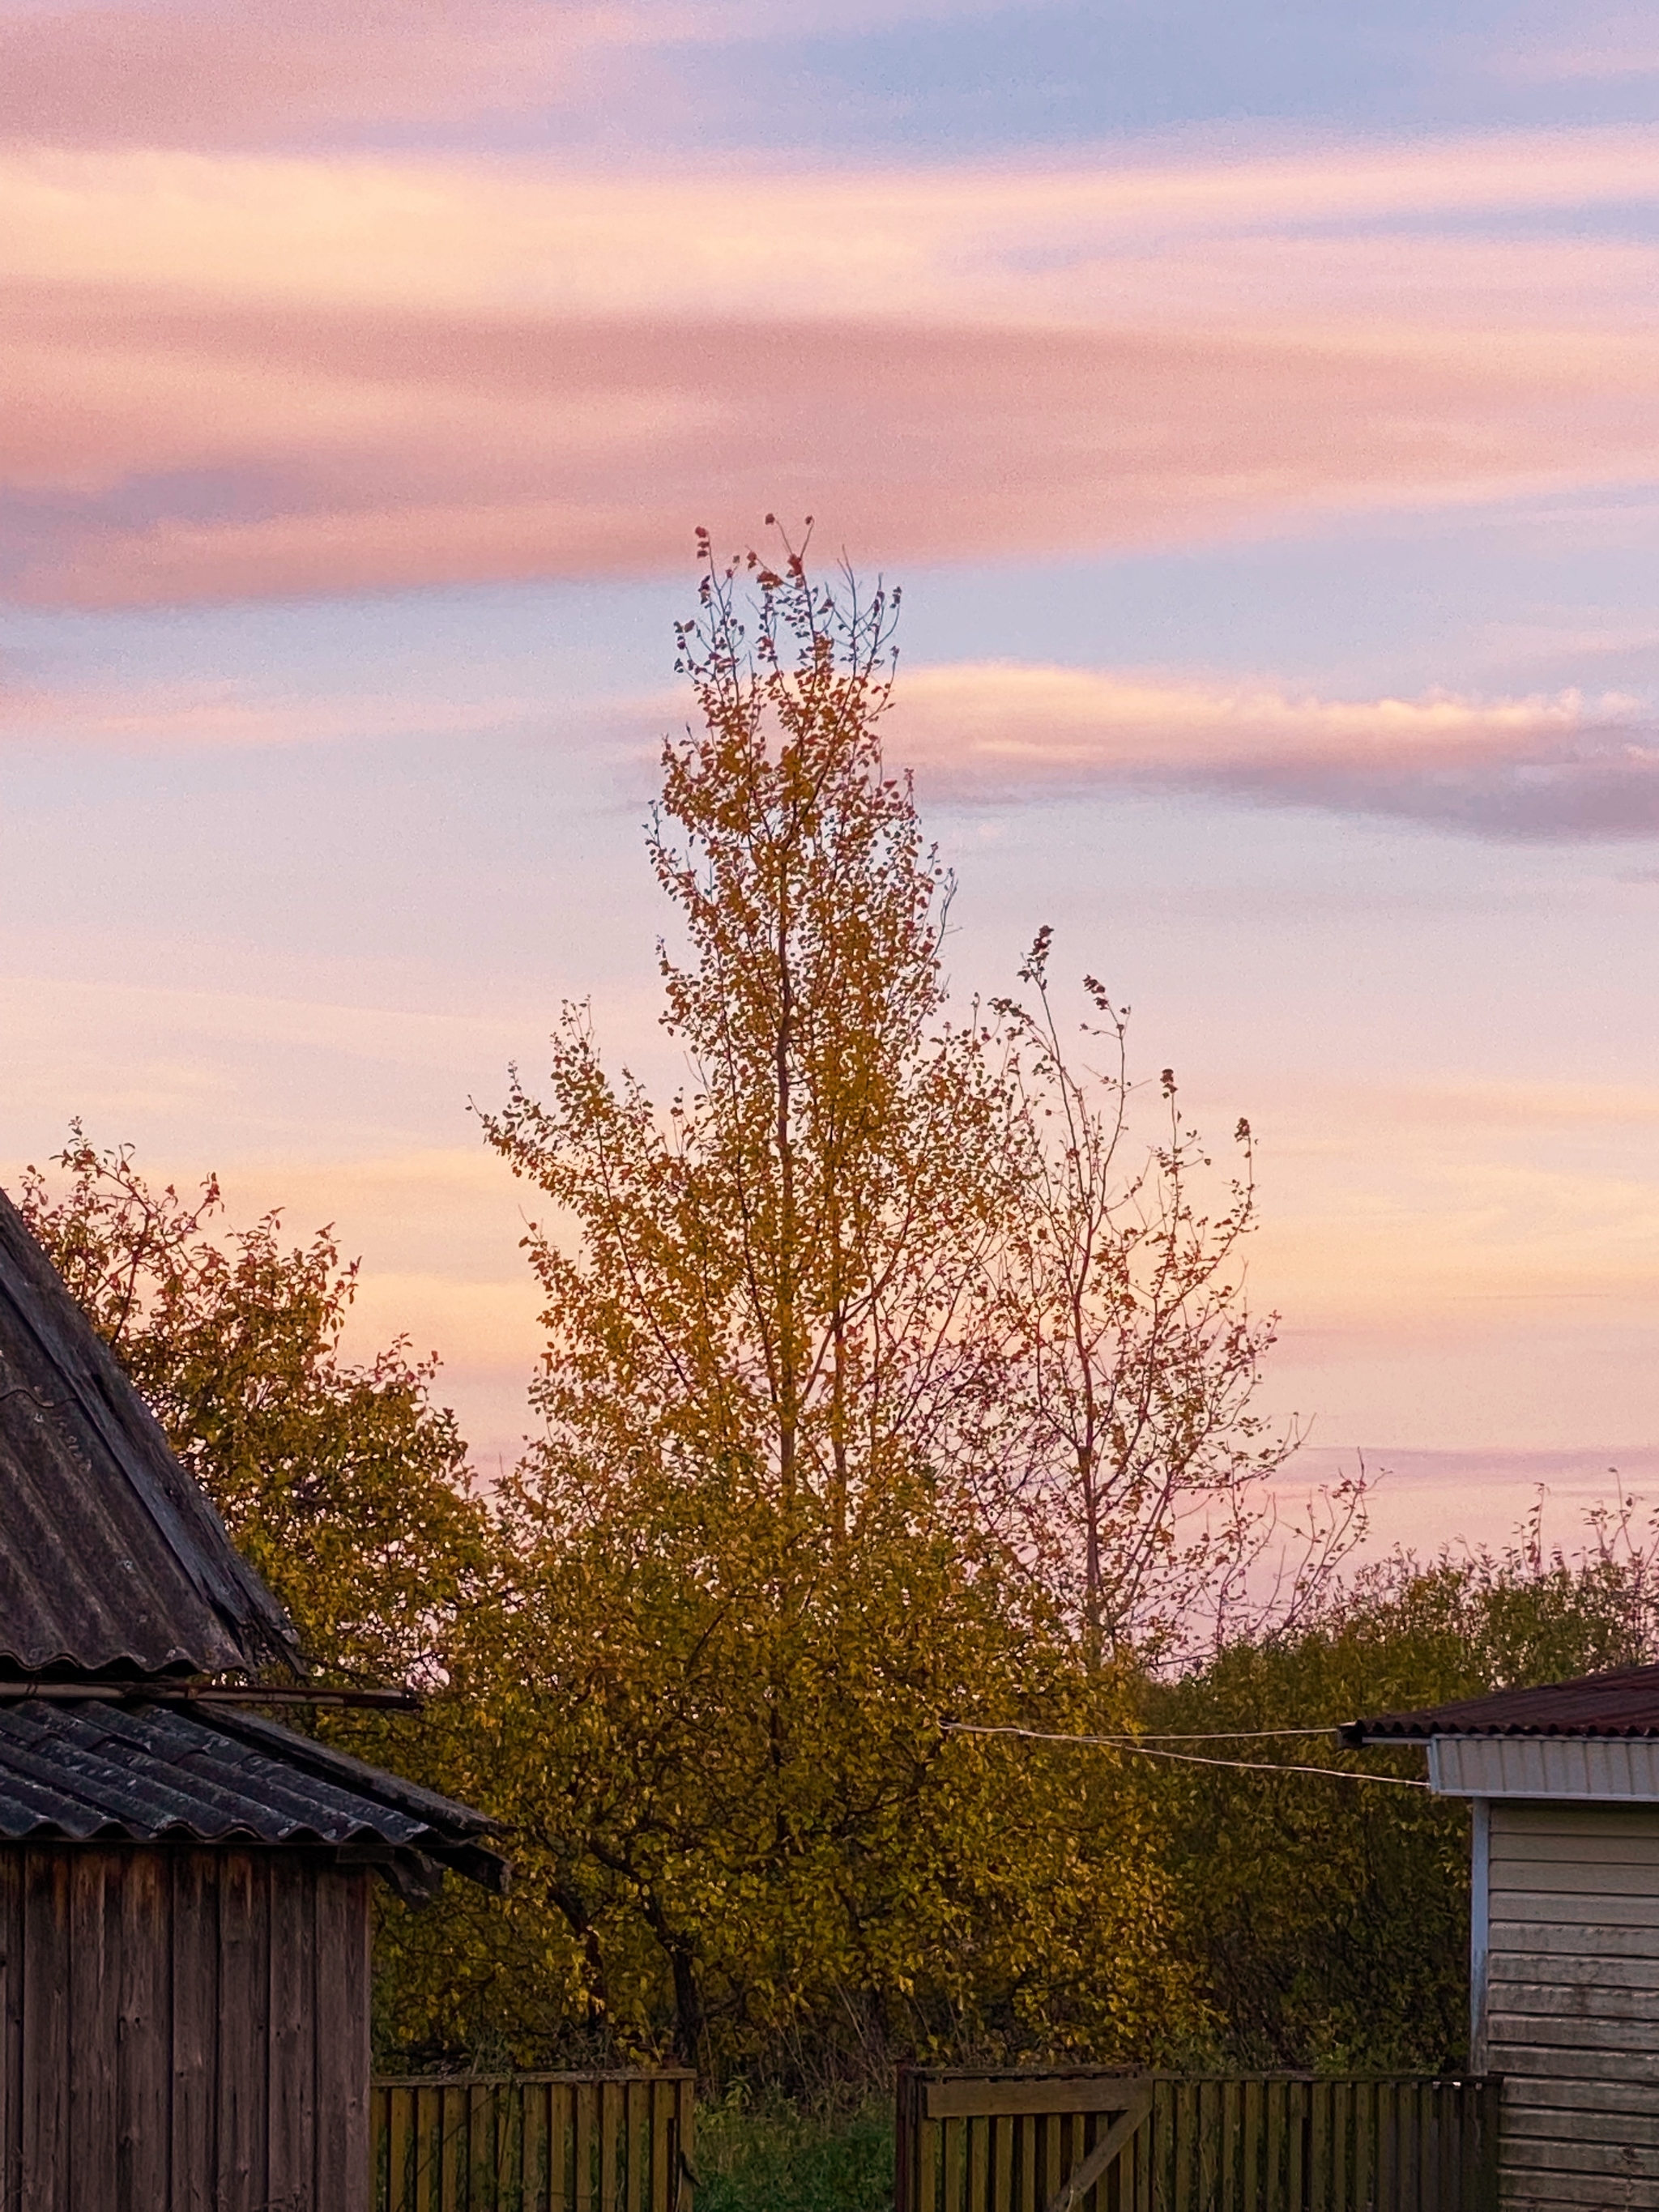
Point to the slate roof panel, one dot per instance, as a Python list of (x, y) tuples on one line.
[(112, 1558), (150, 1771)]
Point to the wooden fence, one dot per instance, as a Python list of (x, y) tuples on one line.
[(1091, 2141), (533, 2142)]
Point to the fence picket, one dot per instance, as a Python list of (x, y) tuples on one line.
[(396, 2118), (637, 2144), (1319, 2154), (1388, 2148), (678, 2182), (533, 2103), (951, 2163), (1364, 2145), (975, 2147), (1342, 2144), (1002, 2160)]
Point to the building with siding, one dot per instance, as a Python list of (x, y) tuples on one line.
[(1564, 1950), (185, 1884)]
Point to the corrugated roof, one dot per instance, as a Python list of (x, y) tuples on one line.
[(146, 1772), (1624, 1702), (112, 1559)]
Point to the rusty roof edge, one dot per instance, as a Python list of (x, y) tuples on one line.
[(1620, 1702), (1356, 1734)]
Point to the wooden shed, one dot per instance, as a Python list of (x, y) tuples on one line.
[(184, 1882), (1564, 1946)]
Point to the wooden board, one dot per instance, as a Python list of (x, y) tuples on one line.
[(1059, 2092), (164, 2046)]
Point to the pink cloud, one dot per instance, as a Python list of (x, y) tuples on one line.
[(239, 70), (223, 379), (337, 452), (1125, 240), (1561, 766)]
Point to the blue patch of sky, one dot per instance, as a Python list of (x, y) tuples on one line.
[(944, 85), (576, 640), (1511, 597), (1070, 73)]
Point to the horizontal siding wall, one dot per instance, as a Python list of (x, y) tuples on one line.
[(1572, 2004), (182, 2031)]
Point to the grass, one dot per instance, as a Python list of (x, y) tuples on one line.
[(775, 2159)]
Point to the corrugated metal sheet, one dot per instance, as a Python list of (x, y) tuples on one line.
[(111, 1557), (1622, 1702), (145, 1772), (1614, 1770)]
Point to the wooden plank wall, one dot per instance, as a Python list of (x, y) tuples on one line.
[(182, 2031), (1257, 2143), (1572, 2003), (534, 2142)]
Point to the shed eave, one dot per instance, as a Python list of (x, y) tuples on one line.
[(1547, 1768)]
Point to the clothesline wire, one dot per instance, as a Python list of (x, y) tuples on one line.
[(1142, 1749), (1151, 1735)]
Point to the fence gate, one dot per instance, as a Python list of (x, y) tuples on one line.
[(533, 2142), (1089, 2141)]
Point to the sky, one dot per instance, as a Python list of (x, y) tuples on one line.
[(1259, 405)]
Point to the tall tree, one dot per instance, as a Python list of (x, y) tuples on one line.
[(788, 1269), (773, 1349)]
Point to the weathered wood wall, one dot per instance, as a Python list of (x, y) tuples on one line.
[(1572, 2003), (182, 2031)]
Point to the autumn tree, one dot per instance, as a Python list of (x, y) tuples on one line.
[(865, 1243)]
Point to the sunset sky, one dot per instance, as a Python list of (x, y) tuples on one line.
[(1259, 404)]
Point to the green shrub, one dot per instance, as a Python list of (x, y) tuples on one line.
[(775, 2159)]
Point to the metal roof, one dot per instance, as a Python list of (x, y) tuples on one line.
[(143, 1772), (1624, 1702), (112, 1559)]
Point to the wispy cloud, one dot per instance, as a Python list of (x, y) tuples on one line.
[(1547, 767), (1558, 765), (220, 716), (1603, 46)]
